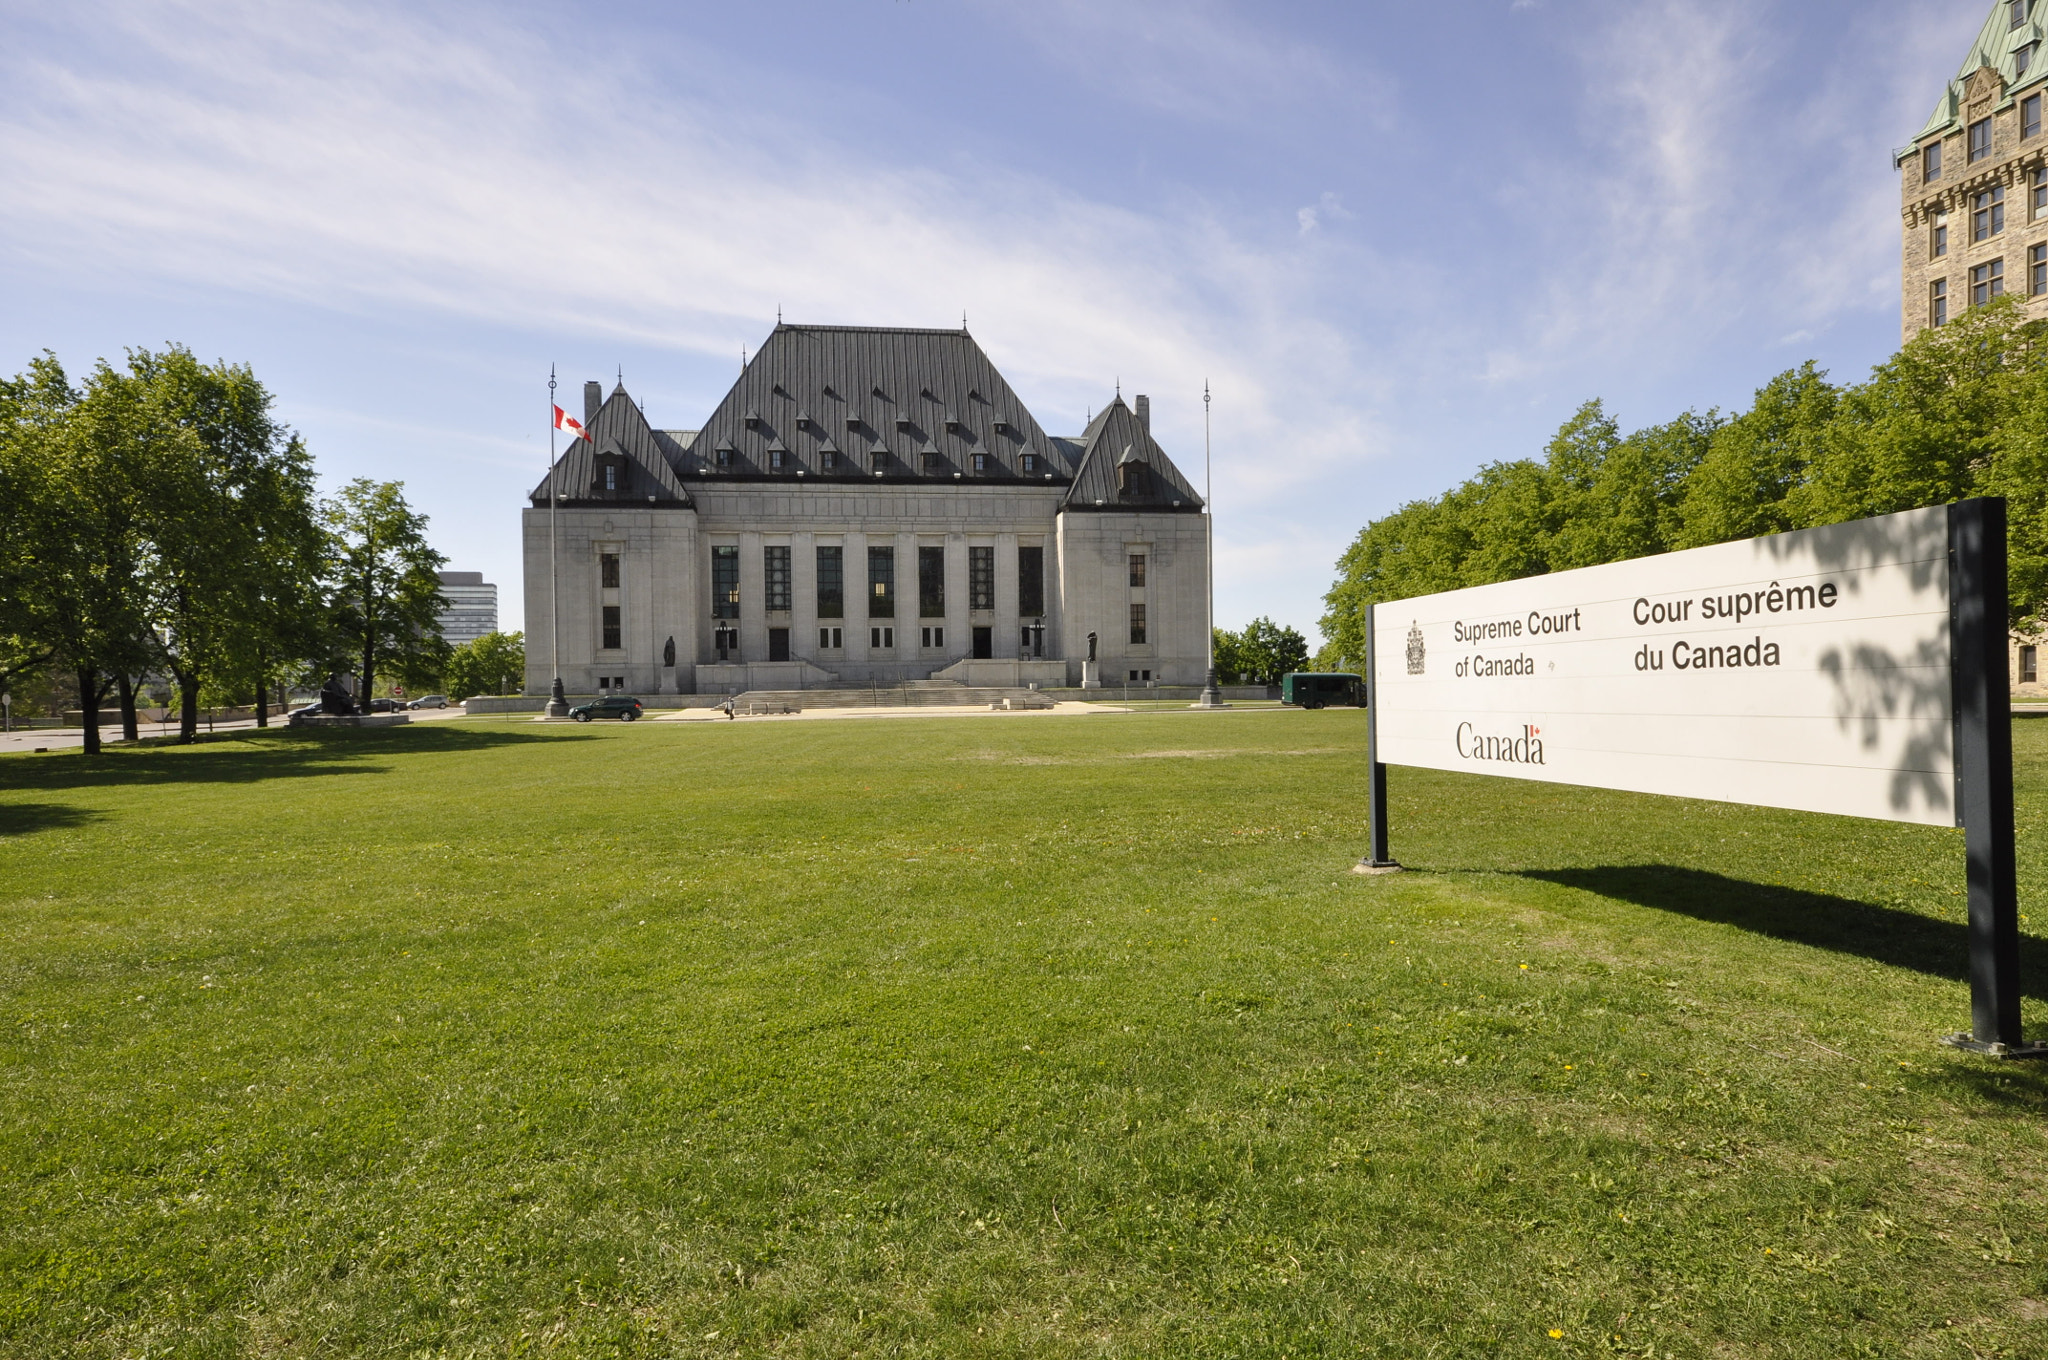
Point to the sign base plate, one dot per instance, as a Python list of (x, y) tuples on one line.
[(1995, 1049), (1366, 866)]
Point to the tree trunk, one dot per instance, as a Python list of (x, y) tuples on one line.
[(262, 695), (127, 690), (89, 701), (188, 705)]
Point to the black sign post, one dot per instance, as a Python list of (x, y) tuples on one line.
[(1983, 750), (1380, 861)]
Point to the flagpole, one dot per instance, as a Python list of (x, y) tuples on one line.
[(1212, 697), (558, 704)]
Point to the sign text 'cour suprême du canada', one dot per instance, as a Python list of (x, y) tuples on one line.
[(1805, 670)]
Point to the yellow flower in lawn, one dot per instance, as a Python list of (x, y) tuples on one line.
[(1556, 1334)]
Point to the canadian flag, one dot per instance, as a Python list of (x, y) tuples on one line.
[(565, 421)]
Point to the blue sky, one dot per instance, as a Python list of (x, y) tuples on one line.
[(1399, 240)]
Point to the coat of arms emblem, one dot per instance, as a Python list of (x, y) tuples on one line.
[(1414, 649)]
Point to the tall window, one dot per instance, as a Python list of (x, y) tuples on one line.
[(1137, 623), (882, 639), (725, 583), (931, 583), (775, 577), (2022, 59), (882, 583), (611, 641), (2040, 181), (832, 583), (2018, 13), (1930, 162), (981, 578), (1980, 140), (1937, 237), (1138, 569), (725, 642), (1937, 302), (2030, 670), (608, 570), (2037, 270), (2030, 116), (1031, 582), (611, 476), (831, 639), (1987, 281), (1987, 213), (935, 636)]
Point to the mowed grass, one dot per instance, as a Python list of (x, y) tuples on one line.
[(1006, 1036)]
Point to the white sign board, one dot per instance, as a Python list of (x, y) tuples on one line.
[(1805, 670)]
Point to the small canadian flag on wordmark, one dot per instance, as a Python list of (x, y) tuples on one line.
[(565, 421)]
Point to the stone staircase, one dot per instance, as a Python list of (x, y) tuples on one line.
[(914, 694)]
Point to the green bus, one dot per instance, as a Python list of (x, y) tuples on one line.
[(1321, 689)]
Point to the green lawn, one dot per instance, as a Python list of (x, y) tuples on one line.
[(1036, 1036)]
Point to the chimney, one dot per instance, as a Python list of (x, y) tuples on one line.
[(1144, 408), (593, 397)]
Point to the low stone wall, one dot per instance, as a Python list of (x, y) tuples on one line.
[(1111, 693), (538, 703), (355, 720)]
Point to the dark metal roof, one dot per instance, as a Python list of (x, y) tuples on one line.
[(1116, 439), (911, 383), (621, 435)]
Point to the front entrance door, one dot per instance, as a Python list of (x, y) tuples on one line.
[(984, 644), (778, 644)]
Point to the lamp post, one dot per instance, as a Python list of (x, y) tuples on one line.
[(558, 703), (1212, 697)]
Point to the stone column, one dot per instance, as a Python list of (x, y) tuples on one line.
[(803, 590), (1009, 623), (753, 618)]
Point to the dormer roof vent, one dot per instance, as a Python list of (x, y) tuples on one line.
[(903, 420), (753, 419), (952, 423)]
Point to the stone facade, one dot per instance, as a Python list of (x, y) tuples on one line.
[(701, 561), (1974, 182)]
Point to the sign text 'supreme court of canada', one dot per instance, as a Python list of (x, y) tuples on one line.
[(1805, 670)]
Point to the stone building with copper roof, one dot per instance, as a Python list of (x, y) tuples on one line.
[(865, 507)]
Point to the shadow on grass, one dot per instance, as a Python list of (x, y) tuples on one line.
[(21, 819), (1887, 935), (250, 757)]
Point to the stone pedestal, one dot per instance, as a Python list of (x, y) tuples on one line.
[(1091, 675)]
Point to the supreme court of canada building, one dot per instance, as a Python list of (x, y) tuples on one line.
[(865, 507)]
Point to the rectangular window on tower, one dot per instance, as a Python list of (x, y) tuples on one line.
[(1987, 213), (1980, 140), (725, 583), (775, 578), (612, 641), (931, 583), (1930, 162), (2030, 116), (608, 570), (2039, 180), (981, 578), (1031, 582), (882, 584), (832, 583), (2037, 270), (1937, 303), (1137, 623), (2030, 671), (1937, 240), (1987, 281), (1137, 570)]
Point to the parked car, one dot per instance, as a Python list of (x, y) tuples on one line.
[(386, 705), (429, 701), (297, 717), (621, 706)]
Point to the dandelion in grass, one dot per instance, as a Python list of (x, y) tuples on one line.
[(1557, 1334)]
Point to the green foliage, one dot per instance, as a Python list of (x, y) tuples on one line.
[(492, 664), (1959, 411), (1262, 653), (387, 588)]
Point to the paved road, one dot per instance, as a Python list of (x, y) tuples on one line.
[(71, 738)]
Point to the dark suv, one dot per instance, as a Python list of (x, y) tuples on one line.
[(619, 706)]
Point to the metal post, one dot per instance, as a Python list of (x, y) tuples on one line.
[(1983, 750), (1212, 697), (1380, 860), (558, 703)]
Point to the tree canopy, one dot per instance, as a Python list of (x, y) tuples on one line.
[(1959, 411)]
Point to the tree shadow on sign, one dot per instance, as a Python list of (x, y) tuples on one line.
[(21, 819), (1901, 939)]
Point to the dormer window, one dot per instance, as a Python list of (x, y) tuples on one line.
[(1132, 480), (852, 421), (610, 474), (828, 459), (1028, 463), (932, 461), (981, 462), (952, 423), (722, 455), (776, 458), (903, 420), (753, 420), (2018, 9), (2022, 60), (878, 460)]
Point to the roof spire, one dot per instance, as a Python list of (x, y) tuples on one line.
[(963, 320), (778, 314)]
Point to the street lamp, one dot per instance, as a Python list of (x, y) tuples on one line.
[(558, 703), (1212, 697)]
